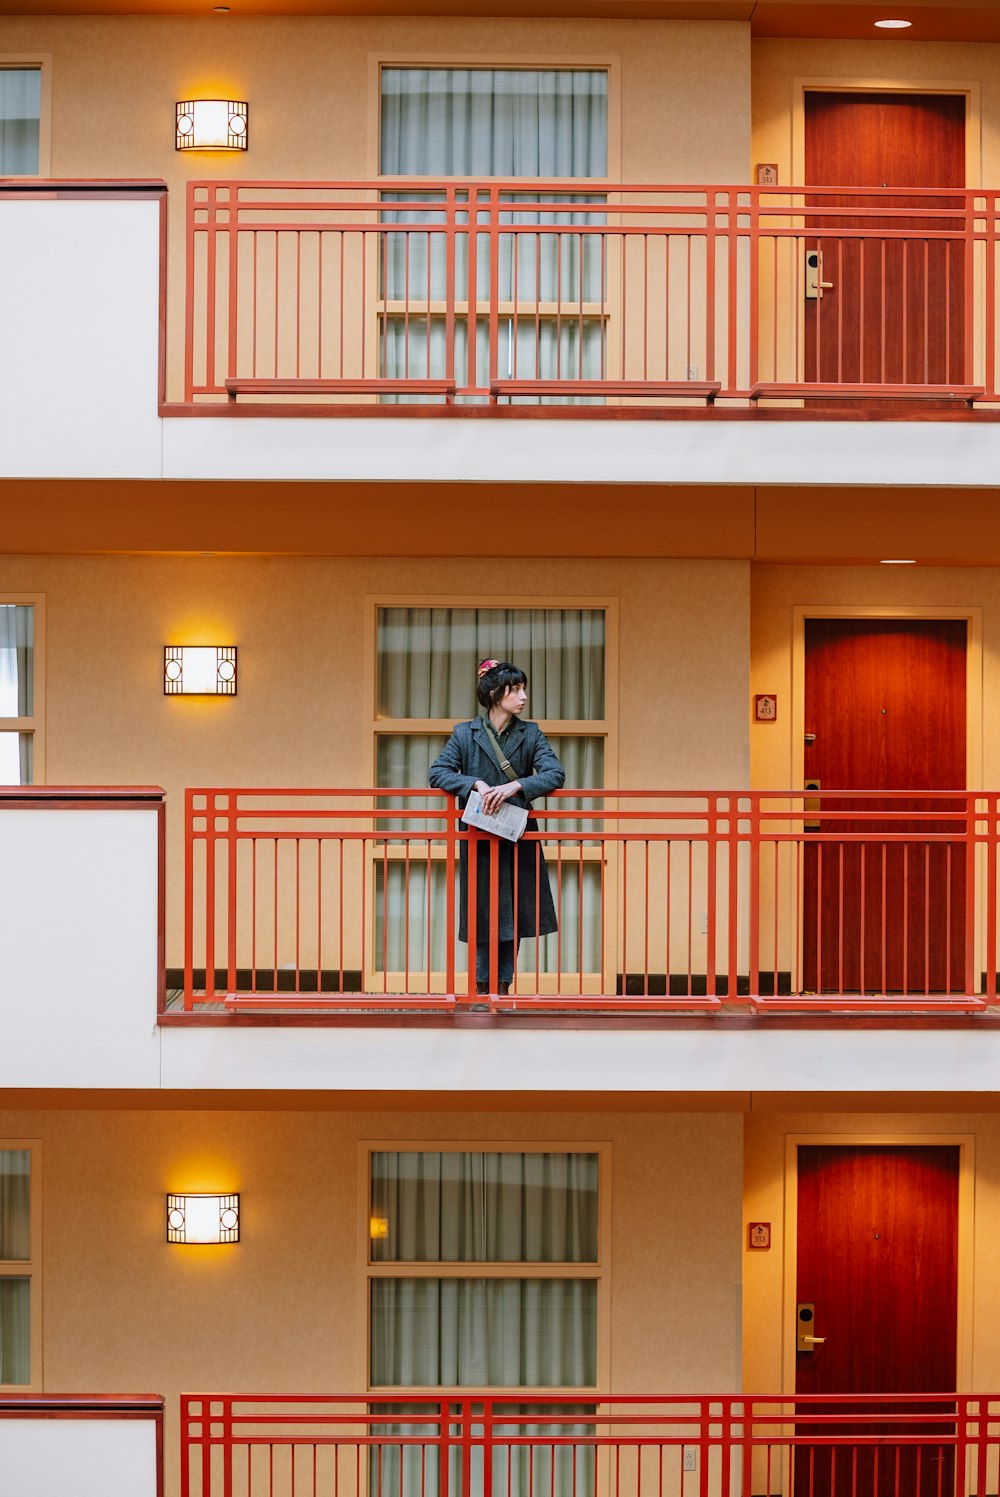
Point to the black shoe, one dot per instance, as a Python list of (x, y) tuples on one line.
[(503, 987), (482, 987)]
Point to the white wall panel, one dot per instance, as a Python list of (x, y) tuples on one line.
[(88, 1457), (79, 312), (78, 948), (549, 1061), (939, 454)]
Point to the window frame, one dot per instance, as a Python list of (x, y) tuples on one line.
[(14, 1268), (599, 1270), (42, 63), (35, 723), (374, 727), (593, 313)]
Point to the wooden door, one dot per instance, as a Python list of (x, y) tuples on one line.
[(885, 705), (877, 1256), (895, 313)]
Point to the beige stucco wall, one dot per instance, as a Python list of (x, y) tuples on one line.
[(284, 1310), (889, 61), (311, 84), (764, 1200), (776, 757), (303, 714)]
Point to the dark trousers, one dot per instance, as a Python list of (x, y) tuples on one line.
[(505, 963)]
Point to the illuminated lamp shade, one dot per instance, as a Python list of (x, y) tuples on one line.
[(203, 1218), (199, 670), (212, 125)]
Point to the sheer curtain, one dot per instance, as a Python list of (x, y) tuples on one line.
[(466, 1208), (20, 107), (483, 123), (15, 1247), (457, 1330), (17, 648), (427, 661)]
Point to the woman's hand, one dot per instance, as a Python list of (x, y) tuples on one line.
[(495, 795)]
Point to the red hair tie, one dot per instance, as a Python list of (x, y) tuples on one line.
[(486, 665)]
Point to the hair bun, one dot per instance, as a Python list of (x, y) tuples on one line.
[(486, 665)]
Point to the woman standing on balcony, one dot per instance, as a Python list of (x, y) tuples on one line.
[(473, 759)]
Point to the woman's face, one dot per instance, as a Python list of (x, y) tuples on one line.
[(513, 699)]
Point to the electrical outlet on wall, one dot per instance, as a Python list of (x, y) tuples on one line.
[(690, 1458)]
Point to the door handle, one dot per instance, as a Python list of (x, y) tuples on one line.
[(814, 282), (804, 1338)]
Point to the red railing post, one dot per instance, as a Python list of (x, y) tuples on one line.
[(189, 899), (472, 840), (211, 801), (231, 875), (451, 843), (465, 1435)]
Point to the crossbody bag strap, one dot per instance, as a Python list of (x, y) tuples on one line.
[(493, 744)]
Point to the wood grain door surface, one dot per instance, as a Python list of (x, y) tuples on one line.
[(877, 1254), (886, 701), (896, 310)]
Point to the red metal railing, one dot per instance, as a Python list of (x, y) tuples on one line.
[(535, 292), (894, 1445), (347, 900)]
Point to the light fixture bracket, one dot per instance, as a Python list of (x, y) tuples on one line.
[(212, 125), (199, 670), (206, 1219)]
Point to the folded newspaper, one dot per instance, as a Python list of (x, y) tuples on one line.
[(509, 822)]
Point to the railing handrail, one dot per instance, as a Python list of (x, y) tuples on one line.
[(671, 900), (590, 323)]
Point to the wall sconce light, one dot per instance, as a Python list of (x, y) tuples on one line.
[(212, 125), (203, 1218), (199, 670)]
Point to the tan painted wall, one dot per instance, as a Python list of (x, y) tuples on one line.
[(309, 84), (764, 1167), (299, 718), (777, 589), (125, 1311), (777, 63)]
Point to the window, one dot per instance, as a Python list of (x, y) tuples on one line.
[(20, 120), (484, 1269), (426, 659), (549, 288), (20, 1311), (21, 759)]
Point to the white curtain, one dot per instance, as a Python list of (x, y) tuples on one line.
[(427, 659), (484, 1208), (15, 1247), (483, 122), (20, 107), (494, 122), (17, 646)]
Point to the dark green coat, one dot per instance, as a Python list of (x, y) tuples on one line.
[(465, 759)]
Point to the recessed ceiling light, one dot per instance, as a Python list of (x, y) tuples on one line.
[(893, 25), (223, 10), (898, 561)]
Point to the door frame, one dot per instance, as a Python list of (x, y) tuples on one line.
[(973, 113), (973, 616), (966, 1144)]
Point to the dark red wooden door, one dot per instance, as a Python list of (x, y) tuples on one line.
[(895, 313), (886, 702), (877, 1255)]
